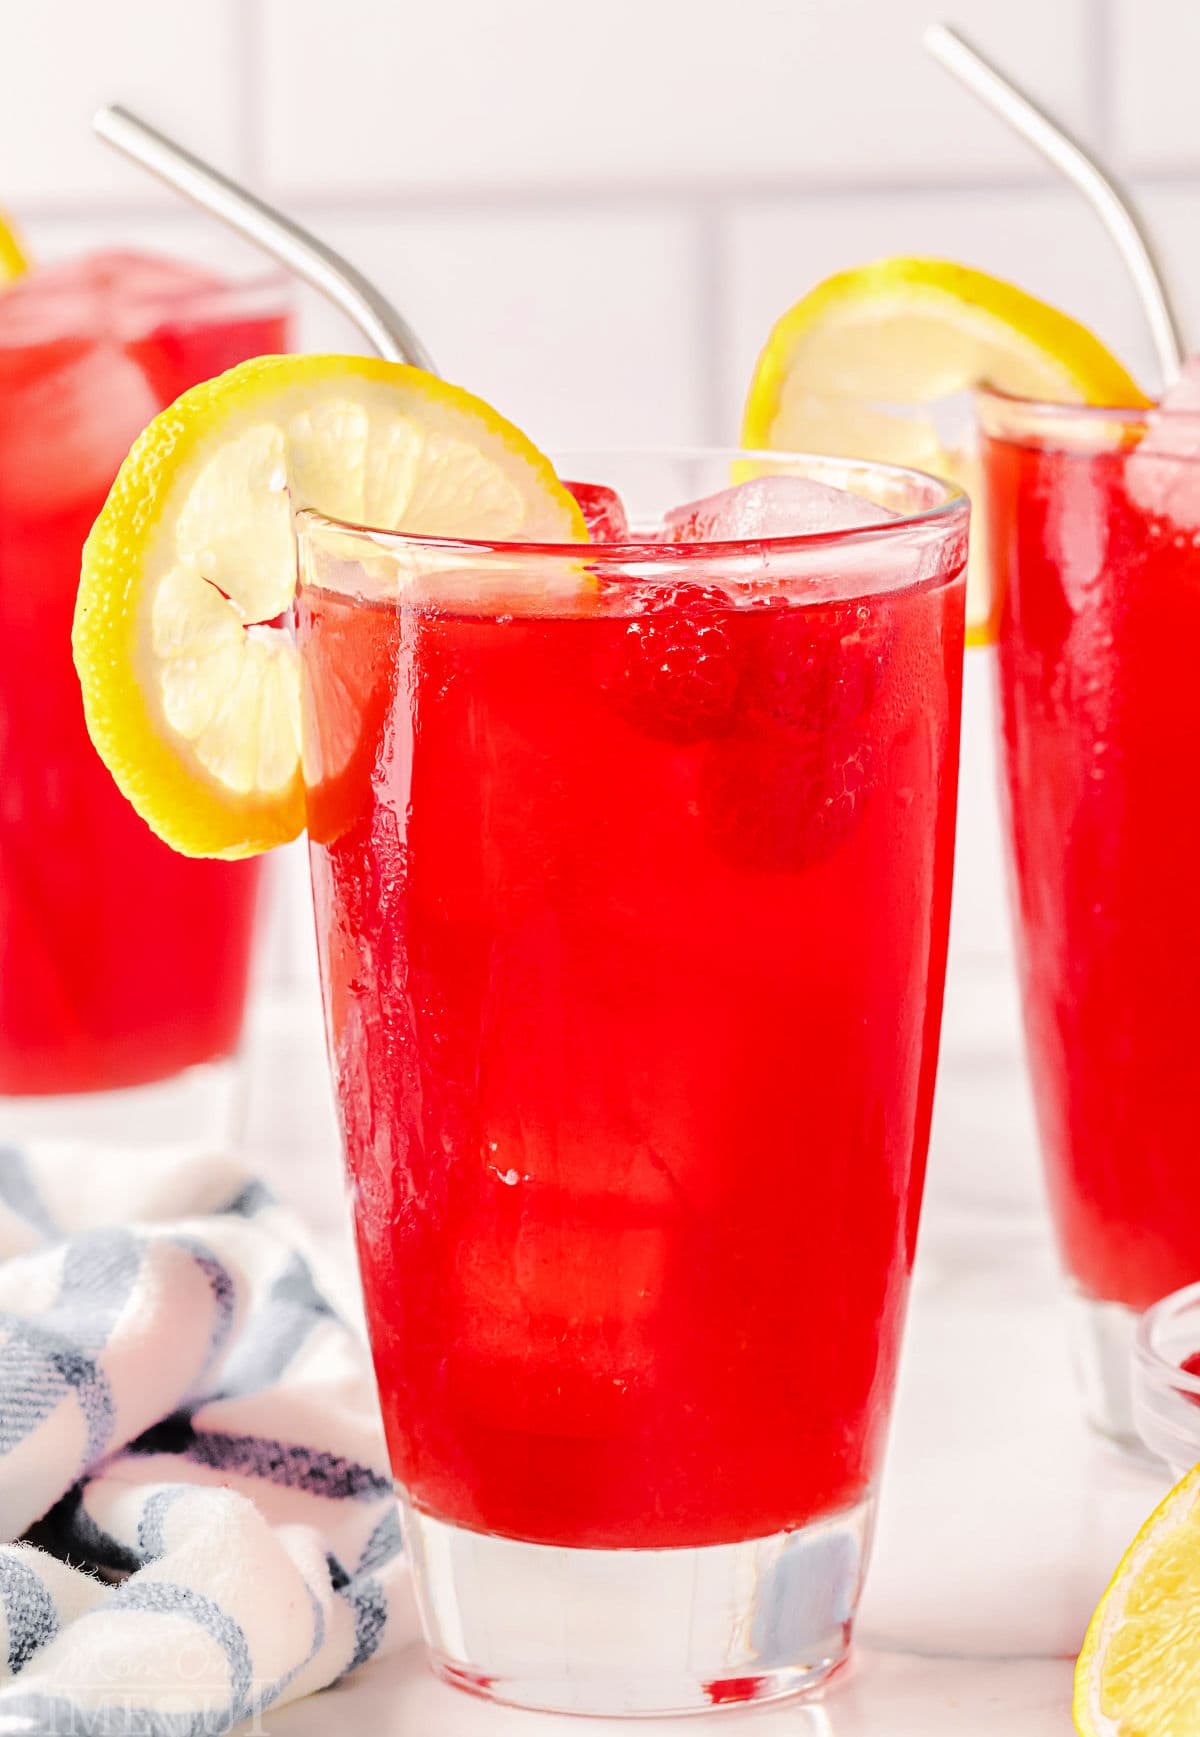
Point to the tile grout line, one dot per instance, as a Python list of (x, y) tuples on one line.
[(618, 199), (709, 309), (249, 82), (1102, 75), (562, 200)]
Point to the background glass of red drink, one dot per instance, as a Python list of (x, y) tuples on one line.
[(1166, 1379), (1094, 530), (123, 966), (632, 876)]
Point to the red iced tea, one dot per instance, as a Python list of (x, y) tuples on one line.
[(1101, 610), (120, 962), (632, 915)]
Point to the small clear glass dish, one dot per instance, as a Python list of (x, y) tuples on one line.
[(1166, 1395)]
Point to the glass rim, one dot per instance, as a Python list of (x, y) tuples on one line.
[(1157, 1365), (273, 279), (209, 300), (1018, 405), (952, 505)]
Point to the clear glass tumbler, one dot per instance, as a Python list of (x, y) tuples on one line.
[(632, 875), (123, 966), (1094, 527), (1166, 1380)]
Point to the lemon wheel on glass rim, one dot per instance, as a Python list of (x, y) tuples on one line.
[(13, 263), (190, 687), (851, 367)]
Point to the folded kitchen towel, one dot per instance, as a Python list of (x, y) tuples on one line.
[(190, 1449)]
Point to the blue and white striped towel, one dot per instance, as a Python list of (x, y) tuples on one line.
[(189, 1443)]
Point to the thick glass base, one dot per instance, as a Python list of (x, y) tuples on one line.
[(638, 1631), (1102, 1336), (198, 1108)]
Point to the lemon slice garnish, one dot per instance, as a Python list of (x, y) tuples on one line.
[(190, 688), (857, 367), (13, 262), (1139, 1672)]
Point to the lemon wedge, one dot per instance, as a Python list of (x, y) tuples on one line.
[(13, 262), (1139, 1672), (190, 685), (868, 363)]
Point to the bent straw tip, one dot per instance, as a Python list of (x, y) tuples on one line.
[(109, 118), (945, 41), (1079, 167)]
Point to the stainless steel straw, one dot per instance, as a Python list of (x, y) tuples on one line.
[(334, 277), (1113, 206)]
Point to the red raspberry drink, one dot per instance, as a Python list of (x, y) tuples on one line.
[(632, 879), (1094, 522), (121, 963)]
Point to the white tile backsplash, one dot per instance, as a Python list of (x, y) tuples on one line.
[(176, 65), (537, 94), (1155, 57), (593, 220), (1173, 215), (582, 327)]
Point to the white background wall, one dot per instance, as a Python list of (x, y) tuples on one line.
[(593, 213)]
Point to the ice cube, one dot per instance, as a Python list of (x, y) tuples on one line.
[(75, 396), (771, 506), (149, 286), (114, 294), (603, 511), (69, 420), (176, 320), (1162, 476)]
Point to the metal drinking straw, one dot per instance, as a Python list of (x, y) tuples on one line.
[(1111, 204), (337, 280)]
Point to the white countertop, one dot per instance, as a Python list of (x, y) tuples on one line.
[(1001, 1519)]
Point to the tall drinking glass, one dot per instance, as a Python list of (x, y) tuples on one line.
[(123, 966), (1094, 522), (632, 877)]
